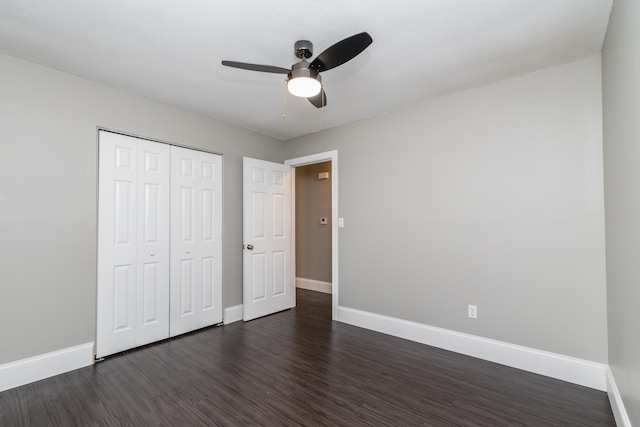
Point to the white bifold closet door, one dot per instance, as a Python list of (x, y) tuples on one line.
[(159, 242)]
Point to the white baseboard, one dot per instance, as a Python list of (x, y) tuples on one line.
[(313, 285), (232, 314), (617, 405), (566, 368), (25, 371)]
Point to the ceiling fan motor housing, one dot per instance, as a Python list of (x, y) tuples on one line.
[(303, 81), (301, 69), (303, 49)]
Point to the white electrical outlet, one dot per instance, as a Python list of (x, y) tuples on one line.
[(473, 312)]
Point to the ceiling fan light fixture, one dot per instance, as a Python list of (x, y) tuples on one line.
[(304, 87), (304, 82)]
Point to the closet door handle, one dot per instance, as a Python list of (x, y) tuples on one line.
[(250, 247), (152, 254), (187, 252)]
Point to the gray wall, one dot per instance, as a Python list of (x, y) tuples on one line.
[(621, 106), (313, 240), (492, 197), (48, 199)]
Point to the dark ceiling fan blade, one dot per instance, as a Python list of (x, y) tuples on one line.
[(256, 67), (320, 100), (341, 52)]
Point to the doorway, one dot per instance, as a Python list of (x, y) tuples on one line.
[(313, 226), (329, 161)]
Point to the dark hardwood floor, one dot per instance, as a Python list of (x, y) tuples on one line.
[(299, 368)]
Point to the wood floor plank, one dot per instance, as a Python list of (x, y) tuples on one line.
[(298, 368)]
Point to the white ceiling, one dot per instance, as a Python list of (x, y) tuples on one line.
[(170, 51)]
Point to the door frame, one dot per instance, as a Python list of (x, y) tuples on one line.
[(331, 156)]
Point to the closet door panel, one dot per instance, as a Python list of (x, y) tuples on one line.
[(183, 242), (211, 238), (196, 211), (117, 267), (152, 296)]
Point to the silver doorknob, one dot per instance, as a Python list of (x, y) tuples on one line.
[(250, 247)]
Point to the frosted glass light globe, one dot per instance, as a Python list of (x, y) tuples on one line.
[(304, 87)]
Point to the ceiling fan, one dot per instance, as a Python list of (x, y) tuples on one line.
[(303, 79)]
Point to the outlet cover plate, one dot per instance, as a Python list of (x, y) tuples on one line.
[(473, 311)]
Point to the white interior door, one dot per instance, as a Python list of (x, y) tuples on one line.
[(267, 233), (133, 243), (196, 244)]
